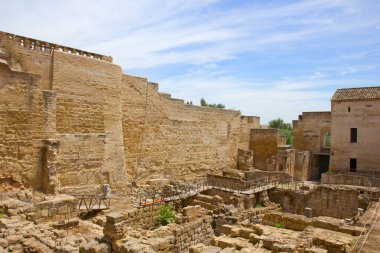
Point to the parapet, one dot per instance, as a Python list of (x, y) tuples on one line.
[(47, 47), (312, 115)]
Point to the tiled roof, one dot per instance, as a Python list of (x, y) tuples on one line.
[(352, 94)]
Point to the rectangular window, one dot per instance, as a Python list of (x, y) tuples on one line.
[(354, 135), (352, 165)]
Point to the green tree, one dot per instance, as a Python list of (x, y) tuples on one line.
[(204, 103), (280, 124), (286, 129)]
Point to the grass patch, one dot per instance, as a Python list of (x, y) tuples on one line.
[(279, 225), (258, 206), (2, 212)]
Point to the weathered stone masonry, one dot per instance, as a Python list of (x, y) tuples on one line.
[(71, 120)]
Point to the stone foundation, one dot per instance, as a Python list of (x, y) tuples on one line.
[(56, 208), (191, 227), (337, 202)]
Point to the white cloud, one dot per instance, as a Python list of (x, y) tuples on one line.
[(149, 35)]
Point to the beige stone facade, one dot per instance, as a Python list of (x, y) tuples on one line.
[(309, 131), (71, 121), (355, 150), (346, 140), (312, 134)]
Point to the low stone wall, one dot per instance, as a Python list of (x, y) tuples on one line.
[(251, 213), (333, 201), (59, 207), (190, 228), (350, 180), (225, 181), (300, 223), (117, 223), (257, 174)]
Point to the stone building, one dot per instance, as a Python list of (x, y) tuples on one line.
[(311, 132), (355, 128), (345, 140)]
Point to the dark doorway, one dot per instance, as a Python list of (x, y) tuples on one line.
[(323, 164), (352, 165)]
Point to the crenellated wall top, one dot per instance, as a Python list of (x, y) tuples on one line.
[(47, 47)]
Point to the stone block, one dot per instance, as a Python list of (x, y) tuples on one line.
[(226, 229), (3, 243), (115, 217), (254, 238), (14, 239), (245, 232), (225, 242)]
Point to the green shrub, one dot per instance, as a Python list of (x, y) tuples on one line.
[(258, 205), (166, 215), (279, 225), (2, 212)]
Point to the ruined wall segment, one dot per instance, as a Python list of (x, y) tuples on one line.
[(309, 131), (338, 202), (264, 143), (247, 123)]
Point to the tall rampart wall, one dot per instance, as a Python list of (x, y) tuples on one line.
[(72, 121), (163, 137), (21, 125)]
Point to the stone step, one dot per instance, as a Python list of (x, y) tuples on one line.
[(229, 242), (32, 245), (207, 206), (215, 200)]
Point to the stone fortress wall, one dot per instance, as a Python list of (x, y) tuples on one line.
[(71, 120), (164, 137)]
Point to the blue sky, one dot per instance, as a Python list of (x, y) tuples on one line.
[(265, 58)]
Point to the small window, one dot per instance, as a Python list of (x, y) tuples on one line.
[(327, 140), (354, 135), (349, 109), (352, 164)]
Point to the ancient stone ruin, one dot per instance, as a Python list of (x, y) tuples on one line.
[(93, 160)]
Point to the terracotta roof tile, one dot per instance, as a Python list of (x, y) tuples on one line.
[(353, 94)]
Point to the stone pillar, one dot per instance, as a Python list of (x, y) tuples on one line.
[(244, 160), (50, 108), (50, 165), (249, 201)]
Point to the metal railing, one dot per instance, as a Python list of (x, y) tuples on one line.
[(148, 197), (93, 202)]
